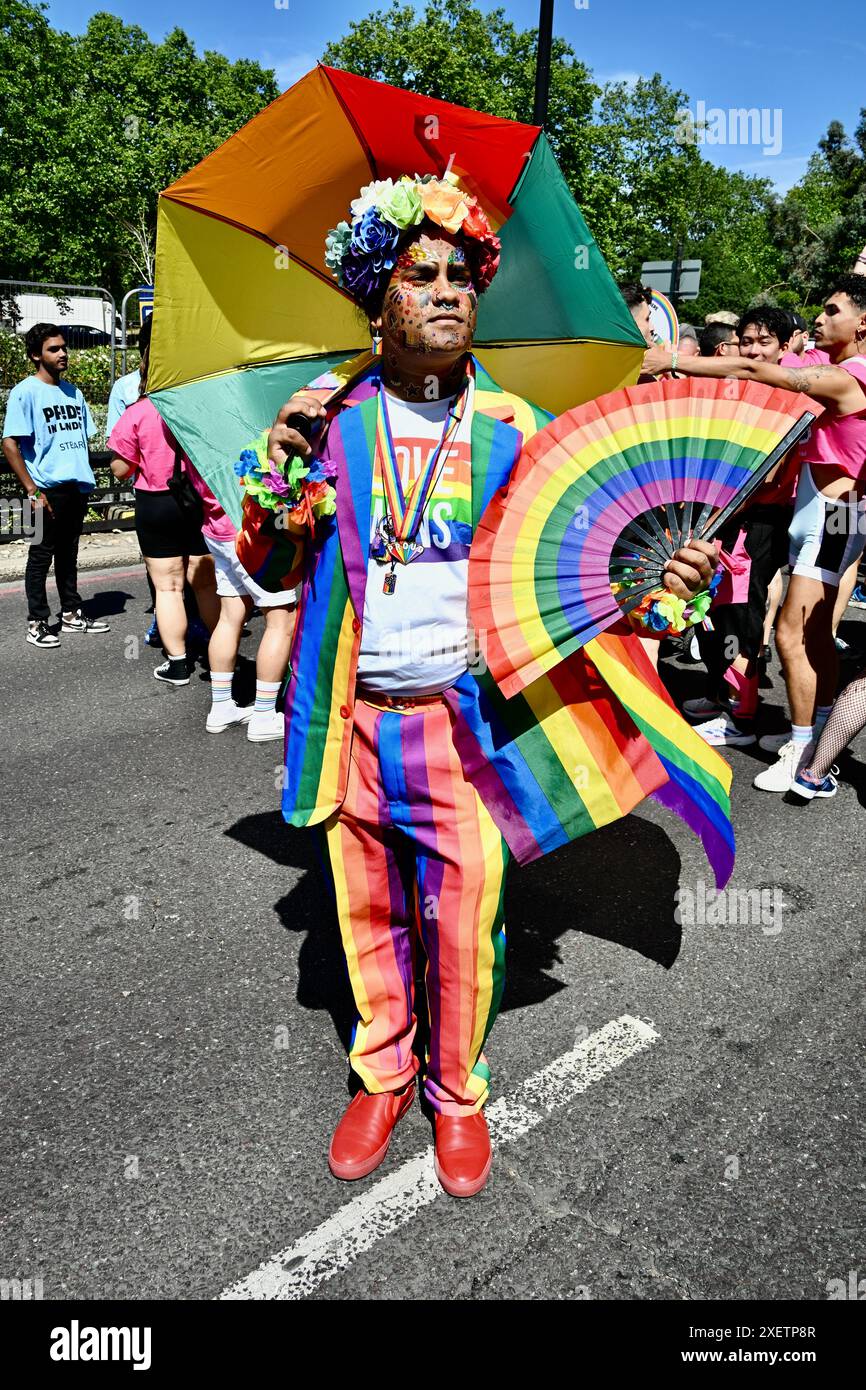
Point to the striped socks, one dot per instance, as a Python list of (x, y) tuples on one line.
[(266, 696), (220, 686)]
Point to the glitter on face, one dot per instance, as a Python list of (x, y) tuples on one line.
[(411, 255), (409, 297)]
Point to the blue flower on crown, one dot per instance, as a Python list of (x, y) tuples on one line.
[(373, 236), (371, 251)]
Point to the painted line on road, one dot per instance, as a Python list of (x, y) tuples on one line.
[(394, 1200)]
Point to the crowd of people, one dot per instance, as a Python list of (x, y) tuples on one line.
[(808, 517)]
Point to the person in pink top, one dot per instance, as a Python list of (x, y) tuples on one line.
[(798, 353), (172, 544), (827, 532), (237, 592)]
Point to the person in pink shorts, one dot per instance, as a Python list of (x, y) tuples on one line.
[(828, 530)]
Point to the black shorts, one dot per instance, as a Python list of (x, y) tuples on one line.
[(738, 627), (163, 531)]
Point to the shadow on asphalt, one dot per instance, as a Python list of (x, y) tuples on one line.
[(107, 602), (570, 890)]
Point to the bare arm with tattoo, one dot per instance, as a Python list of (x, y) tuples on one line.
[(824, 382)]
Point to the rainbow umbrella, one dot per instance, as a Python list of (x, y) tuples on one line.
[(245, 310)]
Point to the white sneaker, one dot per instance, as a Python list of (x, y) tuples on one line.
[(226, 712), (779, 776), (723, 733), (771, 743), (39, 635), (263, 727), (698, 710)]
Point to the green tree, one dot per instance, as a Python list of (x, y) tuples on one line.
[(94, 126), (821, 225)]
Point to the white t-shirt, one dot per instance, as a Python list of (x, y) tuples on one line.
[(415, 640)]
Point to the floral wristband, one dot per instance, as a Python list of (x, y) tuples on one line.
[(664, 615), (304, 490)]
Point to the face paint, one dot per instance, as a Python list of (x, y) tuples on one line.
[(411, 255), (414, 302)]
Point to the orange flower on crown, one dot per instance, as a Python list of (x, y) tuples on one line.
[(443, 204)]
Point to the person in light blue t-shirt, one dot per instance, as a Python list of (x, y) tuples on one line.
[(127, 389), (45, 437), (125, 392)]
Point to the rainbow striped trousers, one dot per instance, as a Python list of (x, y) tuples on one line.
[(418, 861)]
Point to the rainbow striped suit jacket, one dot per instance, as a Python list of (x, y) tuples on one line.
[(577, 749)]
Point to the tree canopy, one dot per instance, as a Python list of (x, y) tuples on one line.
[(94, 125), (640, 190)]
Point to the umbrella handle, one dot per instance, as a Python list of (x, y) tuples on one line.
[(304, 425)]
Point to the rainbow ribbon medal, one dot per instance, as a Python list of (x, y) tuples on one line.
[(396, 539)]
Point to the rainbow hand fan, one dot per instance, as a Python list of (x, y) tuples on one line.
[(606, 494)]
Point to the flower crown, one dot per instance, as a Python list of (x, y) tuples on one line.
[(362, 255)]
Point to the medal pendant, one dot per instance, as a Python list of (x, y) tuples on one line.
[(390, 583)]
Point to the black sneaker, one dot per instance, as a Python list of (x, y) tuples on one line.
[(77, 622), (173, 672), (39, 635)]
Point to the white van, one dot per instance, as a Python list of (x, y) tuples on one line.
[(87, 319)]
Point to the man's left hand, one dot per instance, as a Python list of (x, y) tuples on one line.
[(690, 570)]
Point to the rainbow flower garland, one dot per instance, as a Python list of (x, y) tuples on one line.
[(361, 254), (304, 493), (665, 615)]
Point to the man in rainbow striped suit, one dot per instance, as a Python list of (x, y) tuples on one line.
[(424, 778)]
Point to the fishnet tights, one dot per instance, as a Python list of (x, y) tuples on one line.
[(847, 718)]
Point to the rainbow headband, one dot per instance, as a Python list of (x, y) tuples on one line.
[(361, 255)]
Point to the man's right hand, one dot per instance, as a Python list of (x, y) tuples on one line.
[(283, 441)]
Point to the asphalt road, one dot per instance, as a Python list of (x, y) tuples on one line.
[(174, 1008)]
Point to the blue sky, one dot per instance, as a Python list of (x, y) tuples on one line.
[(794, 57)]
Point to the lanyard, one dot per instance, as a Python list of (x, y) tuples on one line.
[(407, 510)]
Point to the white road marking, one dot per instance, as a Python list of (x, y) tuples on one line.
[(393, 1201)]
